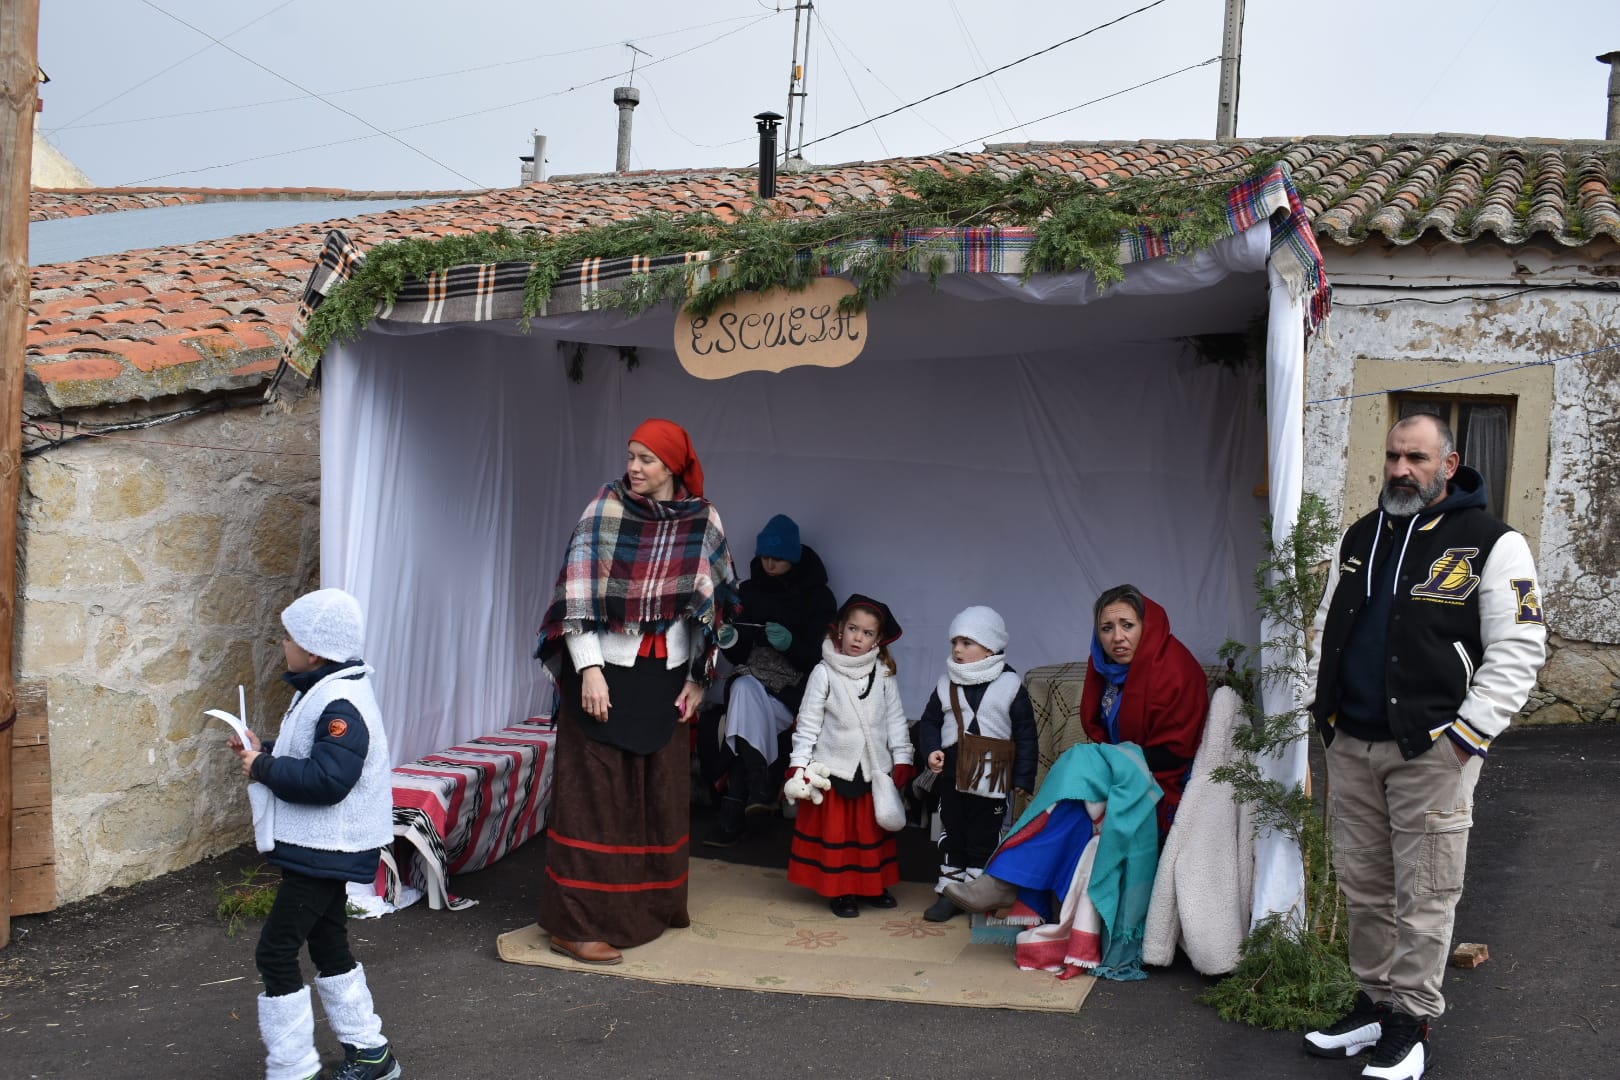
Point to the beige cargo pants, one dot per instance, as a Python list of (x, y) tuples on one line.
[(1400, 845)]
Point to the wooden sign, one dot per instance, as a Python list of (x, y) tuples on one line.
[(772, 331)]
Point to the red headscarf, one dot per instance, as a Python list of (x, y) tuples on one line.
[(673, 446), (1162, 708)]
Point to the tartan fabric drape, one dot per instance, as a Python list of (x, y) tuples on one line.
[(494, 291)]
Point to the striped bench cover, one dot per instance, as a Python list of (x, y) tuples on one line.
[(461, 809)]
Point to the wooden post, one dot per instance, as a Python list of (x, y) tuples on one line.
[(19, 93)]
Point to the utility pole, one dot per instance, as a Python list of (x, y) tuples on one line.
[(19, 97), (1231, 59), (796, 76)]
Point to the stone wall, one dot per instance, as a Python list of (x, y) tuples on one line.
[(151, 579), (1488, 309)]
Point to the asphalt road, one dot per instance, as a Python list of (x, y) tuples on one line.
[(145, 982)]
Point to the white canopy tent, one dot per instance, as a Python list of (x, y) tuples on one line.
[(1018, 444)]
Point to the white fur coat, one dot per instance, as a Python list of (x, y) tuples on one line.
[(1203, 889)]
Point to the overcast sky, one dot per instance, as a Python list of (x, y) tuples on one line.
[(138, 97)]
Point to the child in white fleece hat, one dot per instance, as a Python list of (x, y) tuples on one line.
[(978, 729), (332, 809)]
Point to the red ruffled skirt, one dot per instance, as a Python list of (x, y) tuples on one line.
[(840, 850)]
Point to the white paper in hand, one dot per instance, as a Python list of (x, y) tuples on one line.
[(259, 797)]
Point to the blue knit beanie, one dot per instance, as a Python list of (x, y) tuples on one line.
[(779, 539)]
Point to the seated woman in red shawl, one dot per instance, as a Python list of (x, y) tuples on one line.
[(1144, 687), (1145, 690)]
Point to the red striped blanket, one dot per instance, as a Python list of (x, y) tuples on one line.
[(461, 809)]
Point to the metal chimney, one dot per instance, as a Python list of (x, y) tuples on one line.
[(539, 156), (1613, 60), (767, 153), (626, 98)]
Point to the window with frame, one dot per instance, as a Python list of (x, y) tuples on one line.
[(1483, 430)]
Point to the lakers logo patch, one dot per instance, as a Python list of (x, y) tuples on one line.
[(1451, 576), (1524, 591), (337, 727)]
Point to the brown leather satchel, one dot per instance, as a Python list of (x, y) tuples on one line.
[(979, 757)]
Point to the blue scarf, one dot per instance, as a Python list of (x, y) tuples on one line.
[(1114, 675)]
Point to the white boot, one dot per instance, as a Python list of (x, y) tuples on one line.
[(287, 1025), (347, 1001)]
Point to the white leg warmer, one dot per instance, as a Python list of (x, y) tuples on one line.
[(287, 1025), (347, 1001)]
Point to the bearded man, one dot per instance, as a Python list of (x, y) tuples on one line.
[(1428, 641)]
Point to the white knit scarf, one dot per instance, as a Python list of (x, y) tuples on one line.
[(975, 672), (854, 683)]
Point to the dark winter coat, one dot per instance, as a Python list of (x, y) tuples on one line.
[(801, 601)]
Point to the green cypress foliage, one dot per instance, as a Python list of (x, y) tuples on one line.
[(1078, 223), (1294, 974)]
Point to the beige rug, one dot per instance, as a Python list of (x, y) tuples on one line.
[(751, 930)]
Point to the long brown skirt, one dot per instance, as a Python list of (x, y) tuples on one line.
[(618, 839)]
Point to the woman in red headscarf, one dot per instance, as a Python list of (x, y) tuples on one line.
[(644, 593), (1144, 687)]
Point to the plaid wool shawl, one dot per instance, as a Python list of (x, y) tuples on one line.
[(636, 565)]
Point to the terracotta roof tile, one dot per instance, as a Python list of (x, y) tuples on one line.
[(201, 316)]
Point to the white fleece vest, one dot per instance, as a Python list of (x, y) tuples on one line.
[(994, 715), (365, 818)]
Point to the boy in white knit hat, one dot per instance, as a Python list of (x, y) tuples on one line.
[(978, 729), (332, 809)]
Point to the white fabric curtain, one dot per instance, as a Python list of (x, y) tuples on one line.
[(1279, 875), (999, 443)]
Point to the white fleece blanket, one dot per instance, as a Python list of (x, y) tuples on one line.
[(1203, 888)]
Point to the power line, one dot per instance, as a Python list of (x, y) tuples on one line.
[(864, 66), (987, 74), (976, 55), (864, 110), (658, 103), (165, 71), (459, 116), (1093, 101), (312, 94), (375, 86)]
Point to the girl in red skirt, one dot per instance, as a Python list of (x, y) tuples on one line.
[(851, 733)]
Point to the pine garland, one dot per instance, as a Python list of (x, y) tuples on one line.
[(1078, 226)]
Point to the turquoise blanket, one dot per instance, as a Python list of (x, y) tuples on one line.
[(1127, 847)]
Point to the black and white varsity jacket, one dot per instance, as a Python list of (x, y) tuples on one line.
[(1466, 636)]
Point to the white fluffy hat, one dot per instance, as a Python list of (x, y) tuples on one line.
[(981, 624), (328, 623)]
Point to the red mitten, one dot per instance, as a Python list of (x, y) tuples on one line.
[(903, 775)]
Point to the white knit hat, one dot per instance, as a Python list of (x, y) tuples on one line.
[(326, 622), (983, 625)]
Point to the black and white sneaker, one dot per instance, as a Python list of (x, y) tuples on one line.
[(1402, 1052), (1352, 1033), (377, 1063)]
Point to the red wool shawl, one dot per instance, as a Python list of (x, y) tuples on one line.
[(1164, 703)]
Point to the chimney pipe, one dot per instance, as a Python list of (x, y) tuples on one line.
[(767, 153), (1613, 60), (626, 98), (539, 156)]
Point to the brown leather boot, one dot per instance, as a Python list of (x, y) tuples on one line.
[(587, 952)]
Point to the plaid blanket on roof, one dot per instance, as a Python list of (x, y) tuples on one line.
[(636, 565), (495, 291)]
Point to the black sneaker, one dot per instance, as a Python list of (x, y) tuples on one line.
[(1352, 1033), (376, 1063), (941, 910), (1402, 1052)]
